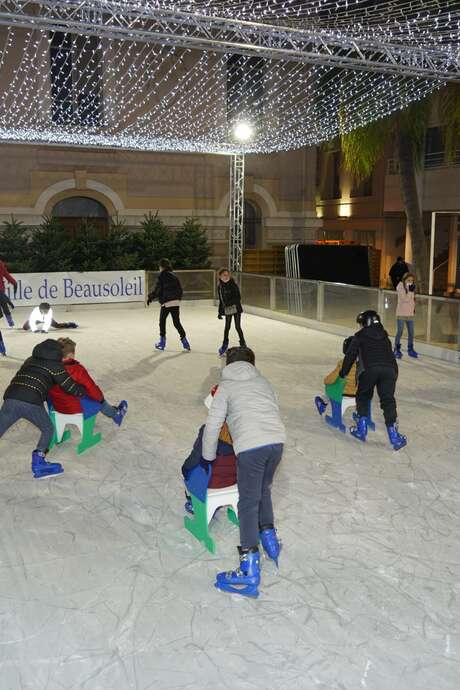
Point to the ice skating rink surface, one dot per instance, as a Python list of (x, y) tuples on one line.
[(101, 588)]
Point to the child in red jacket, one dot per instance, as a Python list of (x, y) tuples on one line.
[(68, 404), (5, 302)]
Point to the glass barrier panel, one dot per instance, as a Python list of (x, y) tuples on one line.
[(296, 297), (342, 303), (445, 323), (196, 284), (255, 290)]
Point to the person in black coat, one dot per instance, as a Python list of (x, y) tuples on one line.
[(28, 390), (397, 271), (376, 367), (168, 291), (229, 307)]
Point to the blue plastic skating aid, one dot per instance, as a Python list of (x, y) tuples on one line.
[(270, 543), (320, 404), (335, 419)]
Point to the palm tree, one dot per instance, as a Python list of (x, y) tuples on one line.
[(363, 147)]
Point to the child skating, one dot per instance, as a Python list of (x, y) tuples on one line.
[(25, 396), (168, 291), (377, 368), (405, 313), (229, 307), (247, 402)]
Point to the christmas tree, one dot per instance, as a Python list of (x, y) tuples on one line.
[(15, 245), (192, 248)]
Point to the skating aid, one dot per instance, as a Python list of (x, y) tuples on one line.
[(320, 404), (244, 580)]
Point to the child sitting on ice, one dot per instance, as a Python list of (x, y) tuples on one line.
[(350, 386), (68, 404), (41, 320), (224, 466)]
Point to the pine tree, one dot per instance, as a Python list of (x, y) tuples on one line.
[(15, 245), (154, 242), (192, 248), (120, 247), (88, 249), (50, 247)]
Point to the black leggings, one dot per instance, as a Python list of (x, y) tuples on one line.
[(4, 305), (174, 311), (228, 323), (384, 379)]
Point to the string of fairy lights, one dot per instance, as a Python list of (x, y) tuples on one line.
[(82, 89)]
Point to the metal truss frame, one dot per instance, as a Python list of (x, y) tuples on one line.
[(133, 21), (236, 213)]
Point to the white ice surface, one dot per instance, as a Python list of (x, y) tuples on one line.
[(101, 588)]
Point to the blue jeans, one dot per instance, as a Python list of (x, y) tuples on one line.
[(255, 471), (410, 331), (108, 410), (14, 410)]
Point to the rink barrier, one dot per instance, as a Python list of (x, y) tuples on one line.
[(333, 307)]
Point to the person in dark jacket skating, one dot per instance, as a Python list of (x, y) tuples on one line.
[(5, 302), (25, 396), (168, 291), (229, 307), (377, 367)]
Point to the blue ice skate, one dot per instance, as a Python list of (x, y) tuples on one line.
[(186, 344), (397, 352), (161, 344), (412, 353), (122, 410), (270, 542), (223, 350), (244, 580), (320, 404), (370, 421), (41, 468), (397, 440), (2, 346), (9, 320), (360, 430)]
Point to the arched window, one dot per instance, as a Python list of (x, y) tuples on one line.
[(77, 210), (252, 226)]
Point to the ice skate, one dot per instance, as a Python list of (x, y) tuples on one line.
[(9, 320), (122, 410), (270, 542), (41, 468), (397, 440), (244, 580), (188, 506), (412, 353), (397, 352), (2, 346), (161, 344), (223, 350), (320, 404), (360, 430), (186, 344)]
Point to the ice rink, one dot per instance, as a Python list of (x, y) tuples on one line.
[(101, 587)]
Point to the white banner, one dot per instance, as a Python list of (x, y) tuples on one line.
[(77, 288)]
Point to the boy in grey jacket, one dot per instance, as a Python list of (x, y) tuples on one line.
[(247, 402)]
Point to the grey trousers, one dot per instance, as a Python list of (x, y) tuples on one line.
[(255, 472), (14, 410)]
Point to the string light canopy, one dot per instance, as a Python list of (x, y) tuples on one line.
[(208, 76)]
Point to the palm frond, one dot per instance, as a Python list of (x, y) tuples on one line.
[(363, 147)]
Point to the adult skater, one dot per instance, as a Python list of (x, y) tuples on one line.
[(405, 312), (229, 307), (5, 302), (28, 390), (68, 404), (41, 320), (168, 291), (397, 271), (377, 367), (246, 401)]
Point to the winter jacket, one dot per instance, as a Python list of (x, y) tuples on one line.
[(247, 402), (40, 373), (69, 404), (397, 271), (229, 296), (5, 275), (223, 469), (44, 320), (350, 386), (406, 302), (167, 289), (371, 346)]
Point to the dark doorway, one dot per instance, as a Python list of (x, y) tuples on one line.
[(75, 210), (252, 226)]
